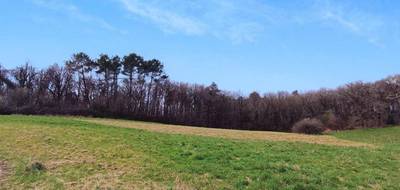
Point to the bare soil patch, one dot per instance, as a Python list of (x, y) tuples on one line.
[(229, 134)]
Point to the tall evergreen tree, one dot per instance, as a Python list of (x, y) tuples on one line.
[(131, 64), (82, 64)]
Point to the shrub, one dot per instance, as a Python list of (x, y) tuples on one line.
[(309, 126), (330, 121)]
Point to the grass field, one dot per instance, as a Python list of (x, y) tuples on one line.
[(84, 153)]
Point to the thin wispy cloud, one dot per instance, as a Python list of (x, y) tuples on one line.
[(237, 21), (167, 20), (240, 21), (246, 20), (75, 13), (360, 23)]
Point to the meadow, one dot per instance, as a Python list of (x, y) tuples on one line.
[(88, 153)]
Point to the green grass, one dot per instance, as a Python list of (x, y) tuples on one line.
[(81, 155)]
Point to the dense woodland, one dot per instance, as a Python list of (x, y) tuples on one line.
[(134, 88)]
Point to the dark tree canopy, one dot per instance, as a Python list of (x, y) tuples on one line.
[(134, 88)]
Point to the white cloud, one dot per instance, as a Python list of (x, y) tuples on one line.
[(237, 21), (75, 13), (356, 21), (168, 21), (243, 21)]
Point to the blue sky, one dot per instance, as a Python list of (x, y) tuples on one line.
[(242, 45)]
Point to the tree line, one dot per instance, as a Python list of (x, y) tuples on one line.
[(134, 88)]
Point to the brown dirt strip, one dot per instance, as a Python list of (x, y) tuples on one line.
[(229, 134)]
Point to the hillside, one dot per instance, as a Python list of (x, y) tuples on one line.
[(128, 86), (87, 153)]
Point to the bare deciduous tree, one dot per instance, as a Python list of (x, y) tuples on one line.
[(143, 91)]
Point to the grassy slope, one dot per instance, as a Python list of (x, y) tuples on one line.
[(228, 134), (80, 155)]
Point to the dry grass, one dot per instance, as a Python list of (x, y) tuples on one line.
[(229, 134), (36, 144), (80, 155), (3, 172)]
